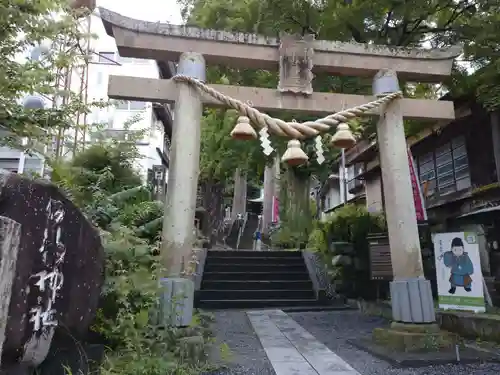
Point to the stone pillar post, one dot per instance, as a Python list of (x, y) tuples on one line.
[(183, 173), (410, 293), (269, 192), (10, 237), (239, 194)]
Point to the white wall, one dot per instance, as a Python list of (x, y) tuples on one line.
[(105, 62), (334, 196)]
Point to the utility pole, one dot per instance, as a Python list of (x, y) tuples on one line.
[(344, 176)]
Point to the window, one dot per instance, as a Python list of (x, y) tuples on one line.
[(137, 106), (122, 104), (124, 60), (131, 60), (353, 181), (107, 57), (130, 105), (111, 122), (99, 78), (446, 169)]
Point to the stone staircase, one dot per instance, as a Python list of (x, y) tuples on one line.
[(246, 279)]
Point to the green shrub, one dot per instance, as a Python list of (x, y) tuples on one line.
[(348, 270), (107, 189)]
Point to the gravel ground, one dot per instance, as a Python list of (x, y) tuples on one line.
[(334, 328), (247, 357)]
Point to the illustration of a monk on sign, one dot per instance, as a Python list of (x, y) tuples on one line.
[(460, 265)]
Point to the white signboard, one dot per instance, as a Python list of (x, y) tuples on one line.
[(458, 271)]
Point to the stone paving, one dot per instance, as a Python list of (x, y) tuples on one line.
[(270, 342), (292, 350)]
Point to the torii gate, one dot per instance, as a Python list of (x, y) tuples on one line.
[(193, 48)]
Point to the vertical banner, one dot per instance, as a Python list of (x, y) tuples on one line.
[(418, 197), (276, 210), (458, 271)]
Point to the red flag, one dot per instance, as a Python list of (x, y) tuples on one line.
[(418, 197)]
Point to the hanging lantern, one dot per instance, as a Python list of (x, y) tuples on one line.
[(343, 137), (294, 155), (83, 4), (243, 130)]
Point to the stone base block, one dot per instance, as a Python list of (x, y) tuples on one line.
[(414, 338), (176, 302), (412, 301)]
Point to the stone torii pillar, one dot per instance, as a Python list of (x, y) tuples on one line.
[(239, 205), (271, 172), (178, 222), (411, 294), (180, 206)]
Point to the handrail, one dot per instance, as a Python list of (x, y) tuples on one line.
[(241, 230)]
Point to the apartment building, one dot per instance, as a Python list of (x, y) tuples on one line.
[(122, 119), (118, 121)]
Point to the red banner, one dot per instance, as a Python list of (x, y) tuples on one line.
[(418, 197), (276, 210)]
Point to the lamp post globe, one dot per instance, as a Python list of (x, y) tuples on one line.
[(38, 52), (33, 102)]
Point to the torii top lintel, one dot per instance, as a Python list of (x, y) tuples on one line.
[(162, 41)]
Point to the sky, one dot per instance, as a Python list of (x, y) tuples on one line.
[(147, 10)]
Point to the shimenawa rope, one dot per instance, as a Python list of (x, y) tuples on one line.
[(294, 130)]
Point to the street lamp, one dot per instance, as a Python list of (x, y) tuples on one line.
[(33, 102), (38, 52), (30, 102)]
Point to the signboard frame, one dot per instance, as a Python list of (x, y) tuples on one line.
[(458, 271)]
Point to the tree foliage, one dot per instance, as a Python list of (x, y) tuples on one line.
[(54, 26), (401, 23), (429, 23), (103, 183)]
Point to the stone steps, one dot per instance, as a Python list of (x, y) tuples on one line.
[(247, 279)]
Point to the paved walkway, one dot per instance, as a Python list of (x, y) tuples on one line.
[(271, 342), (292, 350)]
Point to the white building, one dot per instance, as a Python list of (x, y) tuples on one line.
[(340, 188), (105, 62), (113, 120)]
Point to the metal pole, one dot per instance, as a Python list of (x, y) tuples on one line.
[(22, 160), (183, 173), (410, 293), (344, 177)]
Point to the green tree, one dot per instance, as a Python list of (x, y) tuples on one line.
[(54, 26), (436, 23), (430, 23)]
